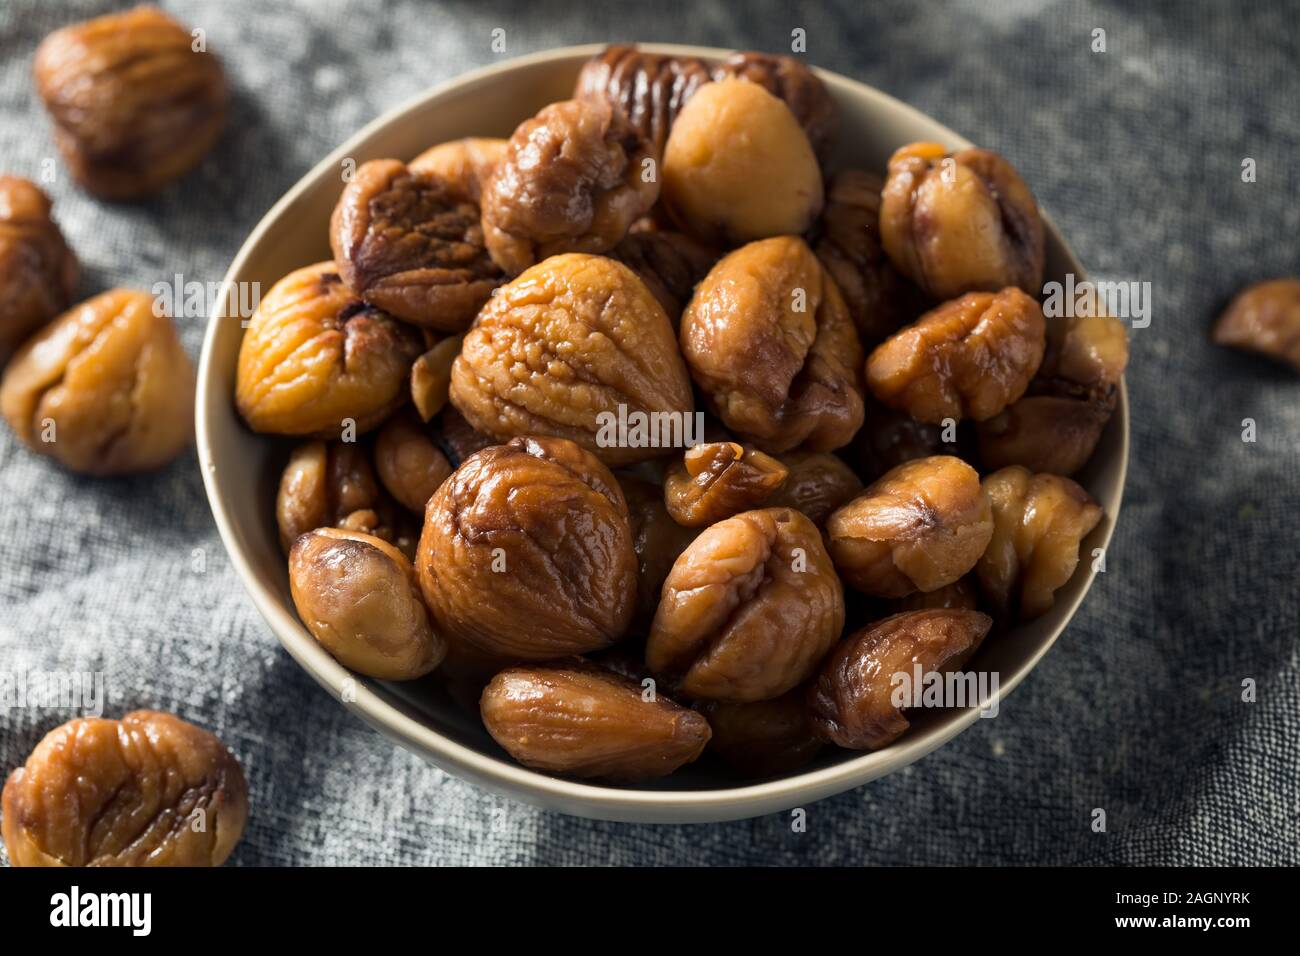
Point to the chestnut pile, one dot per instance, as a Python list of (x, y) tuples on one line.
[(888, 422)]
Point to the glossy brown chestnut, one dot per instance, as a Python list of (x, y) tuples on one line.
[(318, 361), (572, 717), (969, 358), (768, 340), (359, 597), (749, 609), (1265, 319), (411, 244), (852, 697), (961, 222), (571, 348), (104, 389), (918, 527), (136, 102), (573, 179), (720, 479), (38, 272), (527, 552), (650, 89), (1039, 523), (146, 790)]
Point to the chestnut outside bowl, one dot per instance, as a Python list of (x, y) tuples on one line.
[(241, 469)]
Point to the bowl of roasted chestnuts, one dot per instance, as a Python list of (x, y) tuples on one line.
[(663, 434)]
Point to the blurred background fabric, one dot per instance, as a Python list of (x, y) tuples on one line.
[(1136, 153)]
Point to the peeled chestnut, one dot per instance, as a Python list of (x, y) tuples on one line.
[(749, 609), (572, 348), (969, 358), (38, 272), (720, 479), (359, 597), (137, 100), (573, 179), (527, 552), (920, 526), (768, 340), (1265, 319), (104, 389), (650, 89), (411, 244), (146, 790), (726, 195), (797, 86), (1039, 523), (409, 462), (575, 718), (316, 360), (852, 697), (961, 222)]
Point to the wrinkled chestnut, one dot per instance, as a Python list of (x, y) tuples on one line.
[(146, 790), (769, 341), (764, 737), (135, 105), (38, 272), (961, 222), (852, 697), (573, 347), (359, 597), (727, 195), (315, 358), (463, 164), (969, 358), (880, 300), (573, 179), (409, 462), (797, 86), (817, 483), (572, 717), (1056, 425), (920, 526), (527, 552), (669, 263), (1039, 522), (650, 89), (718, 480), (749, 608), (104, 389), (657, 539), (410, 244), (1265, 319)]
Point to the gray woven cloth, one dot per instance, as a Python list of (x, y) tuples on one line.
[(1135, 152)]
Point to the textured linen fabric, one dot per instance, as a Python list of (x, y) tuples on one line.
[(1137, 155)]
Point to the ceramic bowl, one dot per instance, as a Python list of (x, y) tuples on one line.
[(241, 469)]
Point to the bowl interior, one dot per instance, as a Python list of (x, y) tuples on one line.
[(241, 470)]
